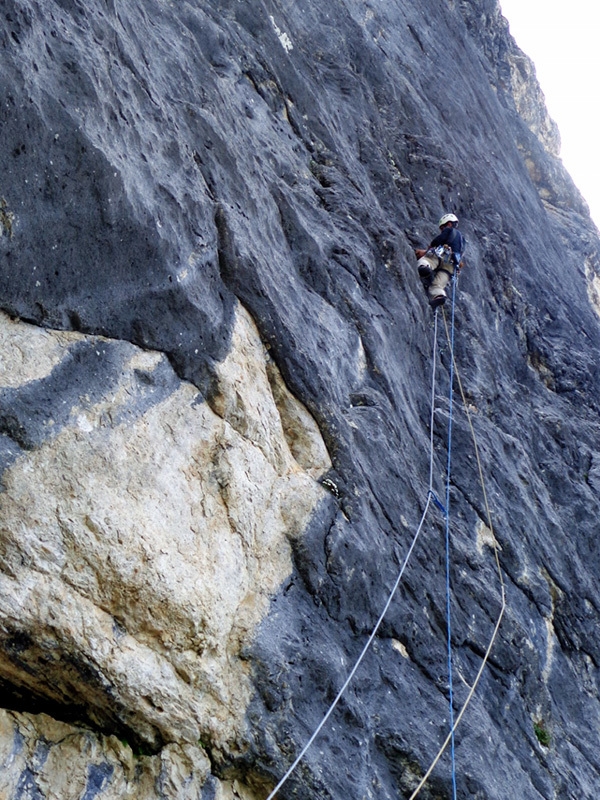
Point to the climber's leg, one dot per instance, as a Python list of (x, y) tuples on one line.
[(426, 267), (437, 288)]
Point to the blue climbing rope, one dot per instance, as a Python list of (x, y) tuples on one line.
[(495, 546), (447, 538)]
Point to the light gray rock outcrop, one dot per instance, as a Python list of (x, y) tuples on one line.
[(143, 533)]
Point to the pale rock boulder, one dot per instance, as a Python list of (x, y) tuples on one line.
[(143, 532), (43, 758), (275, 421)]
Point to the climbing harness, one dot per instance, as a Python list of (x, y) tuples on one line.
[(431, 497), (444, 253)]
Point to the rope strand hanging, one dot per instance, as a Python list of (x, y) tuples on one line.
[(495, 547), (447, 546), (431, 495)]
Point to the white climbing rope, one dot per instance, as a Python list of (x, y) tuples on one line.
[(431, 421), (430, 495)]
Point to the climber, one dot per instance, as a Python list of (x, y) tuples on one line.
[(437, 264)]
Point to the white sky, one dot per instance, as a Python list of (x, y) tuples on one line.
[(562, 37)]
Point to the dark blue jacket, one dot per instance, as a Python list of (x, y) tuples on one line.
[(452, 237)]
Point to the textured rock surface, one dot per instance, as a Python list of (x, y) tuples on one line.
[(143, 534), (40, 757), (161, 162)]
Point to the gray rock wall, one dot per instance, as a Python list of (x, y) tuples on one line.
[(208, 212)]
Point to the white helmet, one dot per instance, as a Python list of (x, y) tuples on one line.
[(447, 218)]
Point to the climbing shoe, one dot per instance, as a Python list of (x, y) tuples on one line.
[(437, 301)]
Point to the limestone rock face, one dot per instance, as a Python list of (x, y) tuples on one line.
[(142, 533), (515, 78), (40, 757), (215, 362)]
